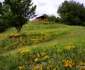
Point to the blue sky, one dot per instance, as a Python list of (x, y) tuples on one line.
[(49, 6)]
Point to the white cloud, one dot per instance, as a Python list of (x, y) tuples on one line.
[(47, 6)]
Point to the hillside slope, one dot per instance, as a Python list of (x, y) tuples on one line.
[(47, 42)]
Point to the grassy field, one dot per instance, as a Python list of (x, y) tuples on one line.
[(43, 46)]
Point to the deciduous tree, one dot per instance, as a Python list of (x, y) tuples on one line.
[(72, 13), (18, 12)]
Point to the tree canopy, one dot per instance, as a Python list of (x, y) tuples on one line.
[(50, 18), (17, 12), (72, 13)]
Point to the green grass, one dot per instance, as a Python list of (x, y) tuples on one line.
[(39, 38)]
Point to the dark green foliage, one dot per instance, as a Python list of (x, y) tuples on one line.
[(17, 12), (50, 18), (0, 8), (58, 19), (3, 25), (72, 13)]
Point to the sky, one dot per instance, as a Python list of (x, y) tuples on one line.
[(49, 7)]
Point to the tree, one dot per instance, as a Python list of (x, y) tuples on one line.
[(18, 12), (58, 19), (72, 13), (50, 18), (3, 26)]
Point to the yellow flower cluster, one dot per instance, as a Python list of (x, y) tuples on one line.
[(68, 63), (41, 55), (48, 68), (21, 67), (44, 35), (25, 51), (38, 67), (14, 35), (69, 47), (46, 57), (35, 40), (82, 69), (54, 68), (38, 54), (36, 59), (81, 63)]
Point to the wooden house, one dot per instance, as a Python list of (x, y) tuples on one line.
[(41, 18)]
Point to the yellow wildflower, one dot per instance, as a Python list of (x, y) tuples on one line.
[(48, 68), (21, 67), (81, 63), (36, 59), (25, 51), (46, 57), (82, 69), (14, 35), (68, 63), (38, 54), (35, 40), (43, 53), (69, 47), (17, 35)]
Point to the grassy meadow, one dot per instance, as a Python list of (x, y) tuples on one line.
[(43, 46)]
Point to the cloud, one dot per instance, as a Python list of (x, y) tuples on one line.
[(47, 6), (41, 4)]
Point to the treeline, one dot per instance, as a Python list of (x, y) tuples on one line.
[(51, 18)]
